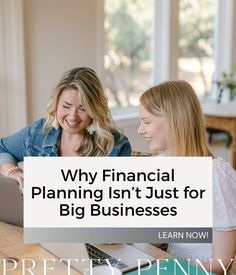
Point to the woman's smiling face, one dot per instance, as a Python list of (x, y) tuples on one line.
[(154, 129), (71, 114)]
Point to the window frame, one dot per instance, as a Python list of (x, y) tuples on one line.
[(165, 50)]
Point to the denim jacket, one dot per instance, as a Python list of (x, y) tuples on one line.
[(33, 141)]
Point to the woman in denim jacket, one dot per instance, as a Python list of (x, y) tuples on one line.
[(78, 123)]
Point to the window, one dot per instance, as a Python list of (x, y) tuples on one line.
[(196, 55), (127, 60)]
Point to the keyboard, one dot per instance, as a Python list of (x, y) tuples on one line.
[(101, 257)]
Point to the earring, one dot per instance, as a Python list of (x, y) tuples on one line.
[(91, 128), (55, 123)]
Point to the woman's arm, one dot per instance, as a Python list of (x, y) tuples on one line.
[(13, 148), (12, 151), (12, 170), (223, 251)]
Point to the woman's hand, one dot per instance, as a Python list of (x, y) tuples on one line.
[(11, 170), (19, 177)]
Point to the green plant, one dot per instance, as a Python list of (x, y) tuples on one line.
[(228, 80)]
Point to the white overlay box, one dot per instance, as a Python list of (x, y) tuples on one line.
[(184, 182)]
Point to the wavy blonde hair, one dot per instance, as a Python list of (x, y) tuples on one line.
[(85, 81), (178, 103)]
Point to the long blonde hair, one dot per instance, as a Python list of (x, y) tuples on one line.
[(178, 103), (85, 80)]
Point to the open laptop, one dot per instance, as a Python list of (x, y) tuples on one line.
[(11, 211), (11, 201), (122, 256)]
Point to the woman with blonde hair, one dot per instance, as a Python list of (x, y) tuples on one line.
[(173, 124), (78, 123)]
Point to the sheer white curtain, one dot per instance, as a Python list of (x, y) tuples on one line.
[(12, 68)]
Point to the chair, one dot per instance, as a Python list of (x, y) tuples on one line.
[(212, 131)]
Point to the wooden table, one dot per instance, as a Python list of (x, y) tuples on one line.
[(222, 116), (12, 246)]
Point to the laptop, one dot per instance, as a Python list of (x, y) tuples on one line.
[(122, 256), (11, 201)]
